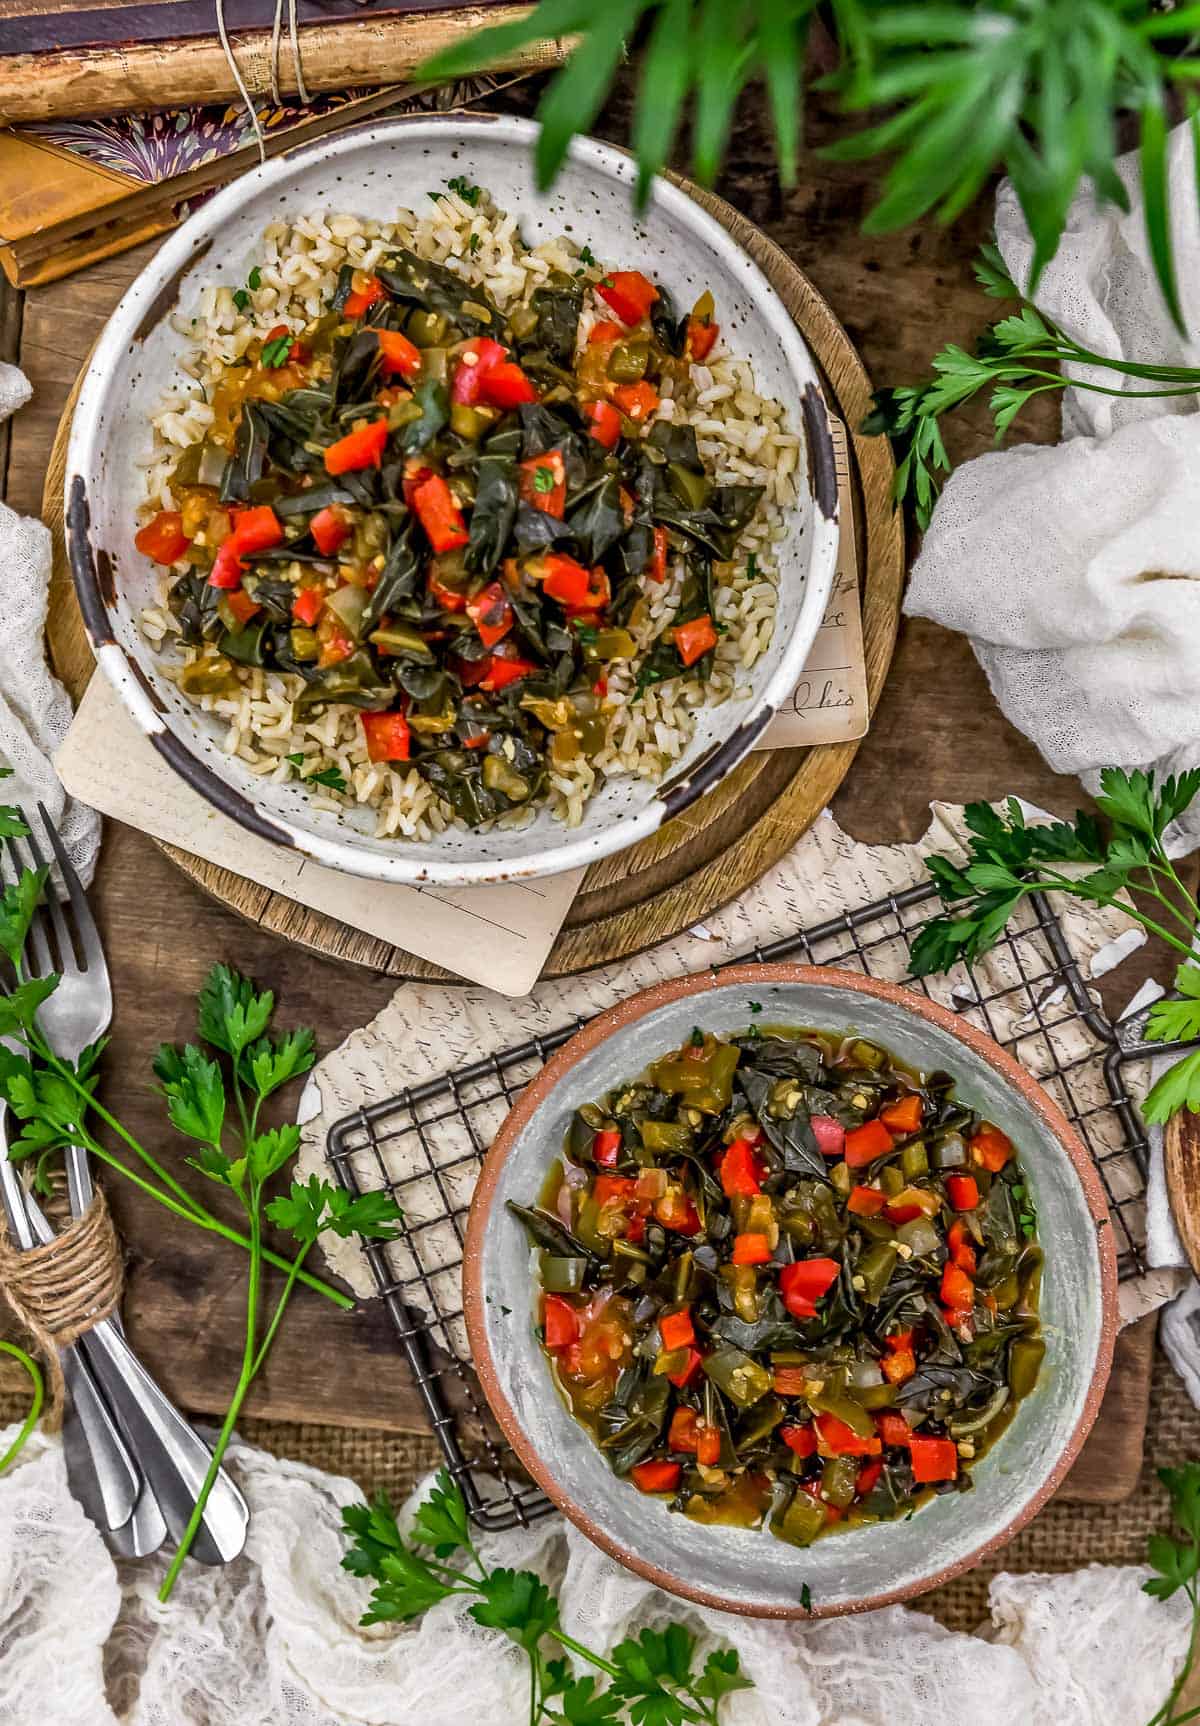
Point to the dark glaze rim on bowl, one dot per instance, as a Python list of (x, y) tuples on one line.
[(628, 1012)]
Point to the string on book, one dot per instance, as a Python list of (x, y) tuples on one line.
[(276, 38)]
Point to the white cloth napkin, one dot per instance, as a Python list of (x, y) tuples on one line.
[(35, 709), (274, 1639), (1075, 569)]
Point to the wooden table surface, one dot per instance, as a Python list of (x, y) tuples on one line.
[(938, 733)]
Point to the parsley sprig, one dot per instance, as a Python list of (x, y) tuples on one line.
[(1013, 359), (648, 1680), (1124, 864), (215, 1091), (1177, 1565)]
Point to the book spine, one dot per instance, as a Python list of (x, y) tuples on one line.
[(334, 57)]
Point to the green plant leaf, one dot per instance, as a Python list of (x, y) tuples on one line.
[(574, 96), (266, 1153), (1178, 1088), (272, 1062), (231, 1013), (195, 1092), (484, 48), (666, 70), (721, 62), (1156, 205), (441, 1518), (1177, 1021), (18, 1009), (723, 1674), (18, 902), (519, 1603), (782, 35)]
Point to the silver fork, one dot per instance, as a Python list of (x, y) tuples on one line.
[(174, 1459)]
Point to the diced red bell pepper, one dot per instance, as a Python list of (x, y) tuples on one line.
[(866, 1201), (867, 1478), (802, 1285), (681, 1434), (899, 1366), (491, 613), (604, 331), (904, 1115), (359, 300), (226, 571), (163, 538), (566, 580), (963, 1192), (474, 362), (829, 1134), (865, 1143), (801, 1440), (256, 529), (676, 1329), (835, 1438), (628, 293), (900, 1339), (893, 1429), (962, 1247), (678, 1213), (502, 672), (656, 569), (740, 1171), (506, 386), (560, 1322), (606, 1147), (543, 483), (693, 640), (604, 422), (330, 527), (398, 354), (614, 1189), (790, 1381), (656, 1476), (447, 597), (388, 736), (415, 475), (933, 1459), (958, 1291), (991, 1148), (308, 605), (708, 1444), (242, 607), (751, 1249), (362, 447), (636, 401), (689, 1369), (434, 506), (701, 334)]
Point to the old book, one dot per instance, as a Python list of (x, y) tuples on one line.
[(72, 192), (64, 58)]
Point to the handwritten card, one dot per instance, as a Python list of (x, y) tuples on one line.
[(499, 936), (830, 703)]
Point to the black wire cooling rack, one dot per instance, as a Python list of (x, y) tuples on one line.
[(425, 1146)]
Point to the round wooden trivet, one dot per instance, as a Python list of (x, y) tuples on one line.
[(1181, 1166), (723, 843)]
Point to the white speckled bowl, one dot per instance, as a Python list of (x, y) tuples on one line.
[(371, 171), (748, 1570)]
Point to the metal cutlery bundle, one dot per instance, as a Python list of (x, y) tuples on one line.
[(149, 1464)]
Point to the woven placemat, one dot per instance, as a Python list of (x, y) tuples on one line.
[(1062, 1537)]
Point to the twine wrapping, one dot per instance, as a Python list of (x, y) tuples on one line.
[(60, 1290)]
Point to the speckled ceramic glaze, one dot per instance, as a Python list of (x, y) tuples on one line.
[(748, 1570), (372, 171)]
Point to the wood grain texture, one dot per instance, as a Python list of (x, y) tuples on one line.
[(937, 733), (721, 845), (1181, 1162)]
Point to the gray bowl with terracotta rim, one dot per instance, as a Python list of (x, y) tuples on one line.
[(748, 1570)]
